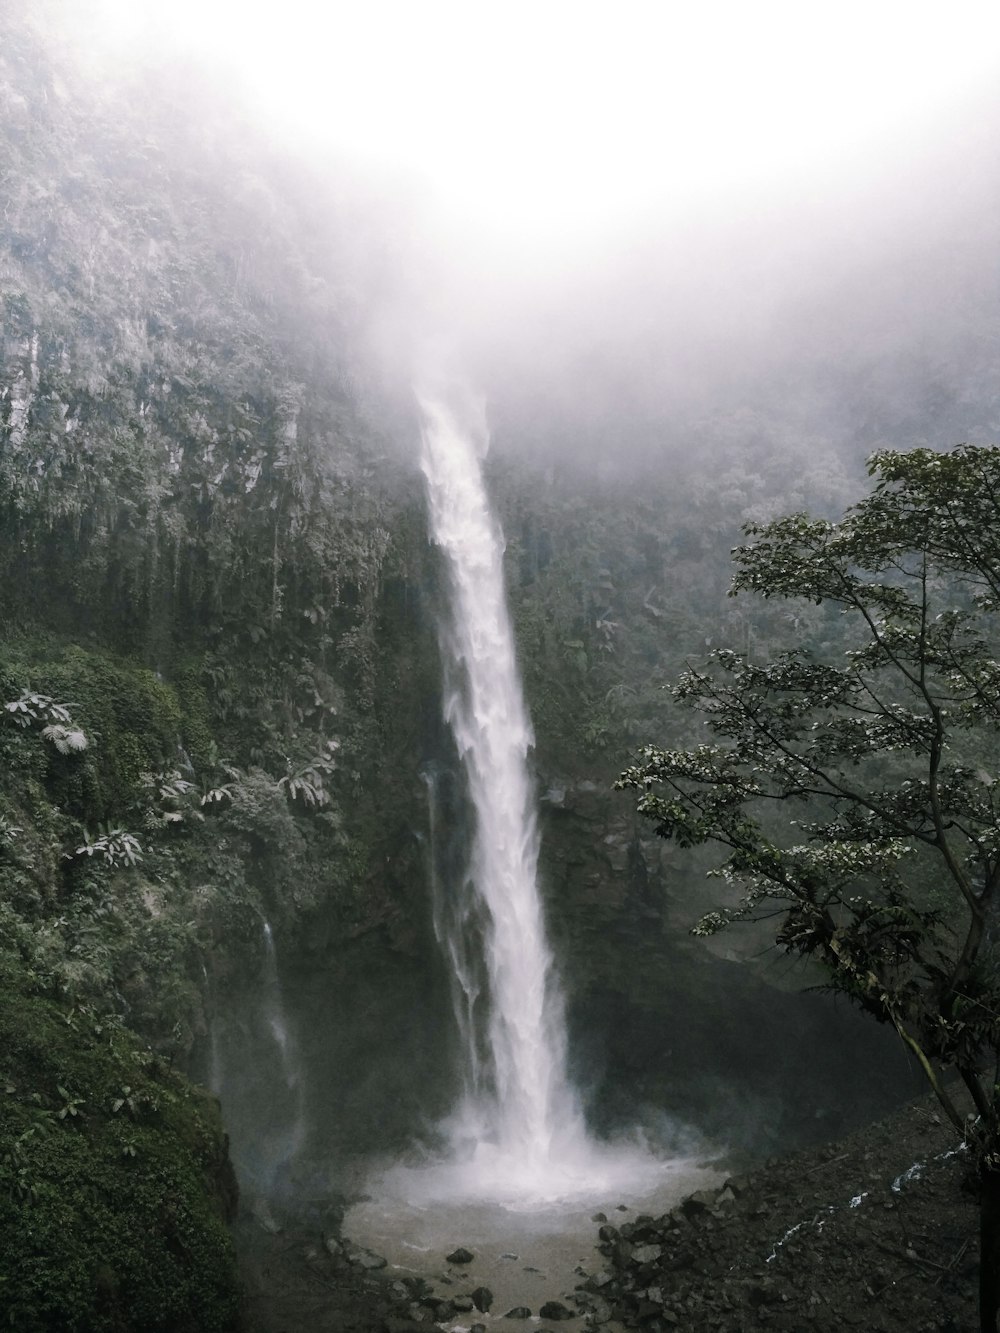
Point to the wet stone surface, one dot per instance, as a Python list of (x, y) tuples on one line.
[(846, 1236)]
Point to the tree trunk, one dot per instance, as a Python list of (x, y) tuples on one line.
[(989, 1252)]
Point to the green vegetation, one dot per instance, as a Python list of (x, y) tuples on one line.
[(114, 1181), (884, 754), (202, 546)]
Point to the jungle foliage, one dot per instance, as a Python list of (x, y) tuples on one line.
[(855, 791), (115, 1187)]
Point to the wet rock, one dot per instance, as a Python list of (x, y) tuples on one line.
[(646, 1254), (699, 1202), (518, 1312), (459, 1256), (463, 1304), (599, 1217), (609, 1234), (555, 1310), (600, 1310), (362, 1258), (482, 1299), (598, 1280), (762, 1293)]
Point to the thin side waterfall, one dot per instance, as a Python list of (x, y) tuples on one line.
[(293, 1121), (518, 1102)]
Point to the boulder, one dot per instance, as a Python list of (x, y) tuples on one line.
[(646, 1254), (555, 1310), (460, 1256), (699, 1202), (482, 1299), (362, 1258)]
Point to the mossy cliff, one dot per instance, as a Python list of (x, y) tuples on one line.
[(210, 559), (115, 1186)]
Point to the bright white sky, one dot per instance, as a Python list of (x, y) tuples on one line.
[(556, 117)]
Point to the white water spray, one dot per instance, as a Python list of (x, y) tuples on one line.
[(518, 1137), (518, 1104)]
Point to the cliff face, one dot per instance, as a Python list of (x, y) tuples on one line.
[(195, 483), (214, 569)]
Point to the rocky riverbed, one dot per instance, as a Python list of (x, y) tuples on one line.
[(873, 1232)]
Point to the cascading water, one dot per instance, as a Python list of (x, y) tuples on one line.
[(518, 1102), (521, 1170), (292, 1120)]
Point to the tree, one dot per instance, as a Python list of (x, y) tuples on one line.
[(883, 742)]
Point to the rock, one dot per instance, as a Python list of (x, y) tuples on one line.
[(363, 1258), (598, 1280), (555, 1310), (609, 1234), (699, 1202), (599, 1217), (762, 1293), (459, 1256), (463, 1304), (646, 1254), (482, 1299), (518, 1312), (600, 1310)]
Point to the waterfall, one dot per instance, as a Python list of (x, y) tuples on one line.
[(290, 1120), (518, 1100), (214, 1072)]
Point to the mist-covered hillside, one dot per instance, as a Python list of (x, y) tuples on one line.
[(221, 684)]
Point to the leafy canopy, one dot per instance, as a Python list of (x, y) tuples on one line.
[(854, 784)]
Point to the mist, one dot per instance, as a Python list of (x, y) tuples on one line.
[(696, 265), (659, 219)]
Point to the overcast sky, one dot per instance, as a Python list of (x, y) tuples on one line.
[(543, 125)]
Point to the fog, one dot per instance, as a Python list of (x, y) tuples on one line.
[(626, 225)]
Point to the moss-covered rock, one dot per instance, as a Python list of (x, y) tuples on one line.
[(115, 1184)]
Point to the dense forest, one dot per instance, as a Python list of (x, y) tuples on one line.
[(220, 672)]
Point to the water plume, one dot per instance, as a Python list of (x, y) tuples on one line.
[(518, 1132)]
